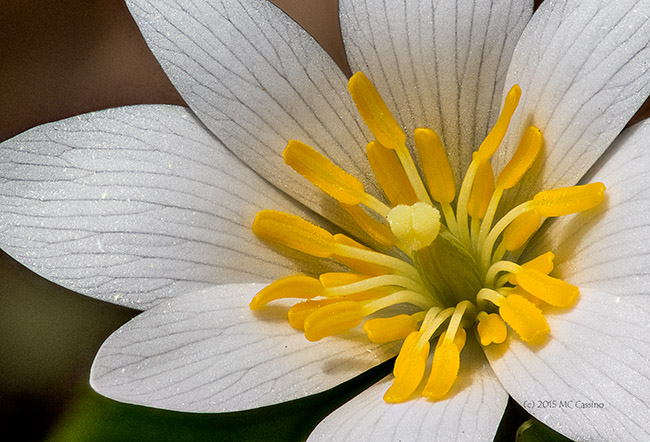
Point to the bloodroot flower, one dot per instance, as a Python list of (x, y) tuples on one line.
[(463, 201)]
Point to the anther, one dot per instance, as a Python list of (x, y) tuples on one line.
[(435, 165), (524, 318), (375, 113), (491, 328), (293, 232), (332, 319), (393, 328), (491, 143), (522, 160), (295, 286), (390, 174), (567, 200)]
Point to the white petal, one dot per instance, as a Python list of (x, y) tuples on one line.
[(207, 352), (257, 79), (437, 64), (471, 413), (134, 204), (609, 247), (591, 380), (583, 70)]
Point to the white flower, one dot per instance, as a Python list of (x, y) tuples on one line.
[(145, 207)]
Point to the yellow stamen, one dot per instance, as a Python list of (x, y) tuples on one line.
[(376, 230), (568, 200), (408, 370), (373, 283), (435, 165), (481, 190), (551, 290), (491, 328), (414, 226), (524, 318), (299, 312), (293, 232), (444, 370), (375, 113), (522, 160), (390, 174), (329, 177), (355, 264), (520, 230), (324, 174), (494, 138), (380, 330), (332, 319), (543, 263), (295, 286)]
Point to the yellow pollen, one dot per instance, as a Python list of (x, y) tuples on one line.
[(375, 113), (332, 319), (293, 232), (568, 200), (491, 328), (414, 226), (550, 290), (376, 230), (435, 165), (543, 263), (393, 328), (296, 286), (390, 174), (324, 174), (524, 318), (522, 160), (481, 190), (444, 369), (521, 229), (494, 138), (409, 369)]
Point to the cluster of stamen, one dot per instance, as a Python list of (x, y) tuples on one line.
[(449, 271)]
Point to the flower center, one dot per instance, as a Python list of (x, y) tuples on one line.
[(453, 273)]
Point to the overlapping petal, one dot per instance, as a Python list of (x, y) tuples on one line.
[(134, 204), (583, 70), (257, 80), (208, 352), (471, 413), (437, 64)]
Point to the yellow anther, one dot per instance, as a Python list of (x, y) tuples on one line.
[(414, 226), (375, 113), (324, 174), (568, 200), (336, 279), (390, 174), (444, 370), (376, 230), (435, 165), (459, 338), (524, 318), (543, 263), (409, 369), (551, 290), (482, 190), (331, 319), (521, 229), (522, 160), (380, 330), (491, 329), (299, 312), (491, 143), (358, 265), (293, 232), (295, 286)]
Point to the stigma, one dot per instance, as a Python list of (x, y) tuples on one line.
[(438, 265)]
